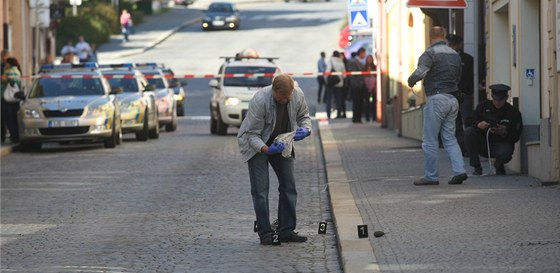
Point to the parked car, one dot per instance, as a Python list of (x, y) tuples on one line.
[(365, 42), (137, 100), (231, 95), (70, 103), (221, 15), (183, 2), (178, 89), (167, 106)]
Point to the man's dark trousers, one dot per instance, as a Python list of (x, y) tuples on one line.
[(475, 142)]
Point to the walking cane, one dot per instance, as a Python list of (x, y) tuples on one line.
[(488, 148)]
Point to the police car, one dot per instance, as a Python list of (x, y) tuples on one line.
[(167, 106), (238, 79), (139, 112), (69, 103)]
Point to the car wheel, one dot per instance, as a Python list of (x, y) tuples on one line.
[(213, 125), (143, 135), (181, 111), (171, 127), (111, 142), (154, 133), (221, 126)]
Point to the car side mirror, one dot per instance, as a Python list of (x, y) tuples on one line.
[(116, 90), (184, 82), (213, 83), (150, 87)]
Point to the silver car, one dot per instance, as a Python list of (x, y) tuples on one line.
[(167, 106), (139, 111), (69, 103)]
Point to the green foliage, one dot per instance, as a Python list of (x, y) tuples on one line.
[(70, 28), (104, 13)]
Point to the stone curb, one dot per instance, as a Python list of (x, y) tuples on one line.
[(356, 254)]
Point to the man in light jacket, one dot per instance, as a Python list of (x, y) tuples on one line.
[(276, 109)]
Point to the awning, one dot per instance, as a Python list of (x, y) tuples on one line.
[(437, 4)]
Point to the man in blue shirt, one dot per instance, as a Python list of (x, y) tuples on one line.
[(321, 68)]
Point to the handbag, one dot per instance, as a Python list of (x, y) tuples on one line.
[(10, 93), (332, 80)]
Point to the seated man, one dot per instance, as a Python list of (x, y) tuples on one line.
[(505, 125)]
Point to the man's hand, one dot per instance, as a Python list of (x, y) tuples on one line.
[(301, 133), (276, 148), (411, 84), (499, 130), (483, 125)]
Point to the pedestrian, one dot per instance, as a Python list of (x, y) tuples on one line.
[(466, 88), (276, 109), (68, 52), (335, 90), (497, 122), (93, 54), (370, 80), (321, 68), (11, 76), (357, 85), (125, 20), (83, 49), (440, 68), (4, 55)]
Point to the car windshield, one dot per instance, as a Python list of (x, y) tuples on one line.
[(128, 85), (220, 8), (55, 87), (249, 81), (156, 81)]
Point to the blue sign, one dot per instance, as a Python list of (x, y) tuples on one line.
[(358, 14), (530, 73)]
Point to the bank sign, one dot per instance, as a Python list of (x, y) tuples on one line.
[(358, 17)]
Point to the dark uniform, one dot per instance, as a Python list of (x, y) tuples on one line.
[(505, 125)]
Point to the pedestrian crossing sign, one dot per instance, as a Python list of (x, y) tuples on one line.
[(358, 14), (358, 19)]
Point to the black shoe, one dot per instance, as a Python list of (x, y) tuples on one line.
[(425, 182), (458, 179), (500, 169), (477, 170), (293, 237)]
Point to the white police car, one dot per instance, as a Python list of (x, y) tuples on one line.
[(239, 78), (139, 112), (167, 106), (69, 103)]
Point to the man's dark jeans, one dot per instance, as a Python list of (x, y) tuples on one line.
[(475, 142), (258, 174)]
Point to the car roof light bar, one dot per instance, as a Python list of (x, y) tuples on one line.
[(238, 58), (67, 66)]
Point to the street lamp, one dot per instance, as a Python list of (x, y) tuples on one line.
[(75, 4)]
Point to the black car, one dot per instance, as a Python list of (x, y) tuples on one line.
[(221, 15)]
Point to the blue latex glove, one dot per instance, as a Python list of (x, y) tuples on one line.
[(276, 148), (301, 133)]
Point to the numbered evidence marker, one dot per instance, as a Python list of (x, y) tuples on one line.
[(322, 227), (275, 239), (362, 231)]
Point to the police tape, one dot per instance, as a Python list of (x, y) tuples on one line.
[(200, 76)]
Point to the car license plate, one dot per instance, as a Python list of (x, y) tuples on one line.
[(218, 23), (63, 123)]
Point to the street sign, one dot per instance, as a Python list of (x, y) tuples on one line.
[(437, 4), (358, 14)]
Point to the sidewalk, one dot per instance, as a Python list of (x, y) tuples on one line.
[(154, 30), (489, 224)]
